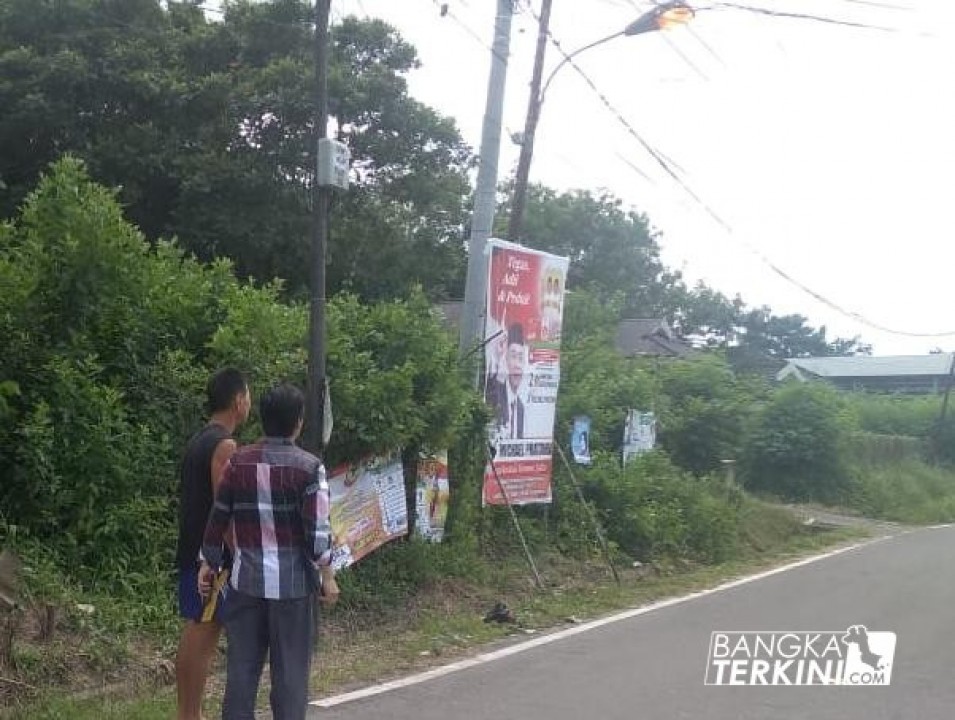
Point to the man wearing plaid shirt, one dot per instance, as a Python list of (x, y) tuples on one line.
[(276, 496)]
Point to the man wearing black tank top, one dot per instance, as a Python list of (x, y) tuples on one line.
[(203, 464)]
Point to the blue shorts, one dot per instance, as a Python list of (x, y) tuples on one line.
[(192, 604)]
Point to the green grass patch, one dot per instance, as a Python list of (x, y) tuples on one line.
[(910, 492), (160, 707)]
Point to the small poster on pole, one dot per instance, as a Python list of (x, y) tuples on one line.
[(432, 496), (580, 440), (639, 435)]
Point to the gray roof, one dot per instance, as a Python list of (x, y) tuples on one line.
[(868, 366), (650, 336)]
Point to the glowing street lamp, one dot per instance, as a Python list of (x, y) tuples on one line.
[(666, 16)]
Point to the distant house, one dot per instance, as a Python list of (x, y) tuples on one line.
[(916, 374), (650, 337)]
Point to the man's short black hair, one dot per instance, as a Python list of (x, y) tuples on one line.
[(223, 388), (281, 409)]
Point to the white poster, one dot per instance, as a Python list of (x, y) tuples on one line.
[(639, 435)]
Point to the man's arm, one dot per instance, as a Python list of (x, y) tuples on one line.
[(220, 461), (219, 519), (316, 521)]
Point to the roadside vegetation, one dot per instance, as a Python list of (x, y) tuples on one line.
[(154, 227), (99, 396)]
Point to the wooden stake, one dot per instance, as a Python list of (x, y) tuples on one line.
[(590, 511), (520, 533)]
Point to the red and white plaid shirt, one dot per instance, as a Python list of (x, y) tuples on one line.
[(276, 494)]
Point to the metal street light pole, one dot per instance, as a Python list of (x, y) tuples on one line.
[(662, 17), (530, 127), (321, 198)]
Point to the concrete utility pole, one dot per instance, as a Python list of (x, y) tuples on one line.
[(321, 199), (485, 194)]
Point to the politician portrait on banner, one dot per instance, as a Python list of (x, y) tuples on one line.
[(525, 302)]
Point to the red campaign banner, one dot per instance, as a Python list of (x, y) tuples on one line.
[(525, 481), (525, 297)]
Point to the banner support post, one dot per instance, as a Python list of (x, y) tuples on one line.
[(517, 524), (600, 536)]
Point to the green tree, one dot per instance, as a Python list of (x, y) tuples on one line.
[(789, 336), (95, 313), (709, 315), (596, 380), (613, 251), (796, 449), (704, 412), (206, 128), (109, 342)]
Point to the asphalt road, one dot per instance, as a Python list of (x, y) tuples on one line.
[(652, 665)]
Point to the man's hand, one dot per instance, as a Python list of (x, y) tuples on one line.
[(206, 576), (330, 589)]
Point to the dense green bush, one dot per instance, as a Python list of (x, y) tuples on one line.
[(797, 446), (109, 344), (87, 479), (911, 415), (907, 491), (866, 450), (596, 380), (944, 443), (704, 411), (916, 416), (653, 510)]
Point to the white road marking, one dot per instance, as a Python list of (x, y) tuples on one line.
[(484, 658)]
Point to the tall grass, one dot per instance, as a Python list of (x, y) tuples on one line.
[(910, 491)]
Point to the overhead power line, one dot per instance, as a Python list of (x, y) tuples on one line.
[(446, 11), (684, 57), (672, 173), (799, 16)]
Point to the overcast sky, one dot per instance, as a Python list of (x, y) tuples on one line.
[(829, 150)]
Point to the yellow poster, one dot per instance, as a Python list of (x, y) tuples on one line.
[(368, 507)]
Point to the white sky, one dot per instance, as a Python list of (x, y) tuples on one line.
[(829, 149)]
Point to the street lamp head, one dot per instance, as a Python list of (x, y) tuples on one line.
[(663, 17)]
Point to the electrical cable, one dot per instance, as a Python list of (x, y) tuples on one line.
[(723, 224)]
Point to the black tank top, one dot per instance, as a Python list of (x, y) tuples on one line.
[(195, 492)]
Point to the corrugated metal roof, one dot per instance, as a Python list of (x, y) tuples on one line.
[(867, 366)]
